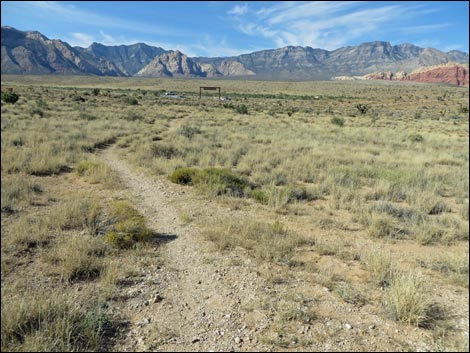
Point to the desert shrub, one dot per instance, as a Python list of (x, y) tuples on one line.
[(438, 207), (9, 97), (408, 300), (183, 176), (220, 181), (77, 98), (362, 108), (95, 91), (241, 109), (337, 120), (128, 226), (131, 101), (164, 151), (416, 138), (188, 131), (213, 181)]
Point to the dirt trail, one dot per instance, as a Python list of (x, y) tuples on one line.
[(201, 297)]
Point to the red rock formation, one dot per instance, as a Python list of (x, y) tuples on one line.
[(455, 75), (452, 73)]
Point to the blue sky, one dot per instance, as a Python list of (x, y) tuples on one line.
[(224, 28)]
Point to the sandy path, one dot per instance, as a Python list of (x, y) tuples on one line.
[(201, 298)]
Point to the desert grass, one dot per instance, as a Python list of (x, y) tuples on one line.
[(319, 177)]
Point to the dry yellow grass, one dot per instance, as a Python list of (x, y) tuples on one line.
[(323, 195)]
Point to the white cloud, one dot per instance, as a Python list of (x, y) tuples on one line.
[(238, 10), (330, 24), (80, 39)]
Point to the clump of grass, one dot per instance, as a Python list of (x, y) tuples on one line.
[(380, 265), (260, 196), (128, 226), (78, 257), (17, 192), (164, 151), (97, 172), (416, 138), (27, 232), (336, 120), (78, 214), (383, 226), (133, 116), (51, 322), (409, 300), (87, 116), (348, 293), (267, 242)]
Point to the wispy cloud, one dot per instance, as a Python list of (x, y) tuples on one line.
[(425, 28), (329, 24), (68, 12)]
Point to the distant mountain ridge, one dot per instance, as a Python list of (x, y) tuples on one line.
[(30, 52)]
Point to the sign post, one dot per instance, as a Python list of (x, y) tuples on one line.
[(208, 89)]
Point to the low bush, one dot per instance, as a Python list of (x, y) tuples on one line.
[(215, 181), (183, 176), (337, 120), (241, 109), (128, 226), (9, 97)]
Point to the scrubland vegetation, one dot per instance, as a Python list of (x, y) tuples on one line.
[(372, 176)]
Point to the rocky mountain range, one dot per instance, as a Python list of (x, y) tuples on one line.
[(30, 52)]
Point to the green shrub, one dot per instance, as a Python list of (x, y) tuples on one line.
[(222, 182), (95, 91), (128, 226), (10, 97), (215, 181), (337, 120), (416, 138), (183, 176), (241, 109), (131, 101)]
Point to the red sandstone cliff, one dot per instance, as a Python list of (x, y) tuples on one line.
[(452, 73)]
